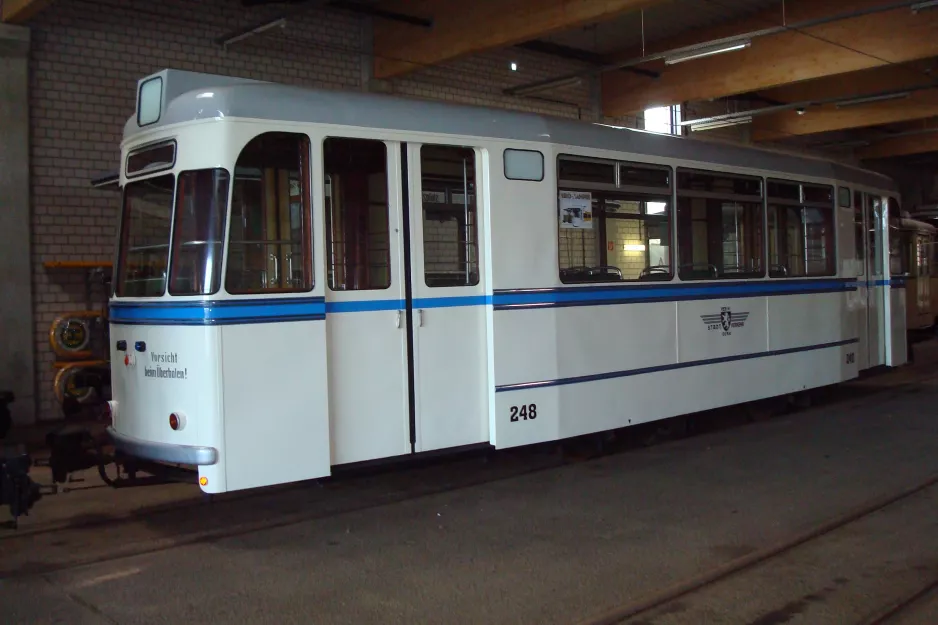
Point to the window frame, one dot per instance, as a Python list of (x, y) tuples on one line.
[(120, 252), (328, 266), (505, 165), (476, 181), (174, 246), (308, 238), (760, 200), (840, 196), (140, 89), (860, 242), (139, 173), (802, 204), (640, 194)]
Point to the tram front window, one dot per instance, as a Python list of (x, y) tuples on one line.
[(199, 232), (145, 233)]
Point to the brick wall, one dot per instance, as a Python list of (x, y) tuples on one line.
[(579, 248), (622, 232)]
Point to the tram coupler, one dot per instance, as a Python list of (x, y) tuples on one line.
[(71, 449), (17, 490)]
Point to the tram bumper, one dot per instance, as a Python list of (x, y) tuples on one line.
[(163, 452)]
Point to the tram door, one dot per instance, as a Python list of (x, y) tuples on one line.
[(876, 289), (365, 300), (446, 296), (405, 303)]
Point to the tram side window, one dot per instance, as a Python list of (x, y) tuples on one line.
[(270, 245), (874, 208), (199, 232), (801, 229), (720, 225), (356, 192), (613, 228), (144, 240), (450, 231), (859, 232), (901, 250), (922, 255), (902, 244)]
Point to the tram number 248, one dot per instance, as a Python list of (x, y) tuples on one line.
[(523, 413)]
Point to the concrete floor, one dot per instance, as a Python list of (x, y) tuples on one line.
[(522, 539), (922, 612), (846, 576)]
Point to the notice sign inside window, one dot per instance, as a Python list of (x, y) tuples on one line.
[(576, 209)]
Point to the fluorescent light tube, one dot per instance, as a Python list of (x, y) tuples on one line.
[(707, 51), (723, 123)]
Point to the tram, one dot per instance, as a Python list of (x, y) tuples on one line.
[(309, 278), (912, 248)]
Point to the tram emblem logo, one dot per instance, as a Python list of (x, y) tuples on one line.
[(725, 321)]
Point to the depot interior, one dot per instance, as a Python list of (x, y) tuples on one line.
[(846, 80)]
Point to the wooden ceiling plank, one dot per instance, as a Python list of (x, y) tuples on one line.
[(18, 11), (919, 105), (858, 84), (469, 27), (781, 59), (901, 146)]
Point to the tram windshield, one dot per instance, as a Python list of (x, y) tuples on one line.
[(199, 232), (194, 248), (145, 233)]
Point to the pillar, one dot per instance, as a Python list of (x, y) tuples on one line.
[(17, 369)]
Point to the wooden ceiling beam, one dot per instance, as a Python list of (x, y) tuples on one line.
[(919, 105), (18, 11), (828, 49), (900, 146), (469, 27), (859, 83)]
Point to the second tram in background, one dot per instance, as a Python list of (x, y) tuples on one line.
[(913, 253)]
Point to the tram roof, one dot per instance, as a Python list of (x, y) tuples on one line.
[(184, 99)]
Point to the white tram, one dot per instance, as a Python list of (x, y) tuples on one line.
[(307, 278)]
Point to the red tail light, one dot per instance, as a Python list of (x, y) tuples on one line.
[(177, 421)]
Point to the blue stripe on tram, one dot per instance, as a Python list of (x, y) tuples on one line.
[(616, 294), (224, 312), (269, 310)]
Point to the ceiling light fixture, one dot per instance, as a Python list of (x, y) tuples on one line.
[(702, 52), (721, 123), (514, 66), (560, 84), (923, 6), (252, 30)]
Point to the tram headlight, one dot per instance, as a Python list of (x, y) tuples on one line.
[(177, 421)]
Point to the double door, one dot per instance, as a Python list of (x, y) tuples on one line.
[(406, 309)]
